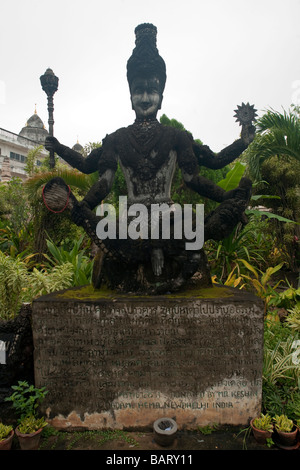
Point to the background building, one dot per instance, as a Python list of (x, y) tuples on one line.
[(15, 147)]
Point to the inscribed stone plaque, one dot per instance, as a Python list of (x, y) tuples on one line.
[(116, 361)]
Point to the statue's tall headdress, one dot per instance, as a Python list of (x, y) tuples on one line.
[(145, 60)]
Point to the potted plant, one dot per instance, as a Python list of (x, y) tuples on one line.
[(286, 431), (6, 436), (29, 432), (262, 428), (26, 399)]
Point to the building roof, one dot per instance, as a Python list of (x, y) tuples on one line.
[(78, 147), (35, 129)]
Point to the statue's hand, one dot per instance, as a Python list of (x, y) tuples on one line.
[(51, 143), (157, 260), (242, 192), (248, 133)]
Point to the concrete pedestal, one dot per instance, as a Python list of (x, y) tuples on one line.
[(121, 361)]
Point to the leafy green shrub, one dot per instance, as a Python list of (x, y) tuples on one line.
[(264, 422), (5, 431), (281, 373), (283, 423), (13, 278), (82, 264), (18, 284), (31, 424), (293, 318), (26, 398)]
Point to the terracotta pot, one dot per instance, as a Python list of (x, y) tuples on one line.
[(287, 439), (260, 435), (29, 441), (5, 444)]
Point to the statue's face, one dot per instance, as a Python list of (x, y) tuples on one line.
[(146, 97)]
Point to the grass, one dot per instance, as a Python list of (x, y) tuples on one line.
[(54, 439)]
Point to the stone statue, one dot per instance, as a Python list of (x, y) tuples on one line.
[(148, 154)]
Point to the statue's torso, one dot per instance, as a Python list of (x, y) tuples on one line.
[(147, 156)]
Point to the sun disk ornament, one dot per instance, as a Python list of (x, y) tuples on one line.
[(245, 114)]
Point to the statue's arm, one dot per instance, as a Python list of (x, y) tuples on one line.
[(86, 165), (190, 171), (205, 187), (206, 157), (100, 190)]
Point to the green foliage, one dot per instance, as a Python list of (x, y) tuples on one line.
[(208, 429), (32, 157), (293, 318), (274, 158), (278, 134), (19, 284), (13, 278), (279, 365), (101, 437), (5, 431), (260, 281), (82, 264), (26, 399), (251, 243), (233, 177), (288, 298), (14, 206), (264, 422), (171, 122), (283, 423), (42, 282), (30, 424), (281, 373)]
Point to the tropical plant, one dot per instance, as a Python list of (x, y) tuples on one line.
[(281, 373), (5, 430), (21, 283), (43, 282), (32, 157), (287, 298), (30, 424), (278, 363), (250, 243), (261, 280), (293, 317), (264, 422), (13, 278), (26, 399), (82, 264), (274, 158), (283, 423), (233, 280), (233, 177), (278, 134)]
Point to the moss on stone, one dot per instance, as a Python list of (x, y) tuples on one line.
[(90, 293)]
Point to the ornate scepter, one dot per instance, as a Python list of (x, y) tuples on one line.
[(49, 84)]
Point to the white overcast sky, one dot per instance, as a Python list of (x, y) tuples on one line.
[(218, 53)]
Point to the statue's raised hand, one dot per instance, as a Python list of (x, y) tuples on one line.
[(51, 143)]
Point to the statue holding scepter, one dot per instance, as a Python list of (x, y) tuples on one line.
[(148, 154)]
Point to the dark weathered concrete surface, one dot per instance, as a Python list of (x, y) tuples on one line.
[(122, 361)]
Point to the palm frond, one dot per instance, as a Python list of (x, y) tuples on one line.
[(71, 177), (278, 135)]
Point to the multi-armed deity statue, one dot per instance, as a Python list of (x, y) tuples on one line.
[(148, 154)]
